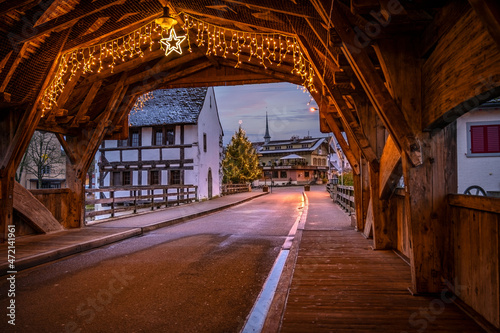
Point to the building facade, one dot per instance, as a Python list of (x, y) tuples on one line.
[(43, 164), (176, 139), (478, 149), (292, 162)]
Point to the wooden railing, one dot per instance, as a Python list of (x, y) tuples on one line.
[(235, 188), (133, 198), (344, 196), (475, 222)]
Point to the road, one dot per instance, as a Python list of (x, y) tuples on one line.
[(200, 276)]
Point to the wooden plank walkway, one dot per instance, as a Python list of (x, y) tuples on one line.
[(340, 284)]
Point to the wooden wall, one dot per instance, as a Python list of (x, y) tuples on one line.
[(462, 67), (397, 201), (476, 232), (56, 201)]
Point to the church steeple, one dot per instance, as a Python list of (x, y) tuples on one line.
[(267, 137)]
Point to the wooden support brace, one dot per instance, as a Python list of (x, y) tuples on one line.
[(353, 126), (19, 56), (87, 102), (343, 144), (66, 147), (386, 107), (390, 169)]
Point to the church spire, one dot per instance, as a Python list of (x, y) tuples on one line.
[(267, 137)]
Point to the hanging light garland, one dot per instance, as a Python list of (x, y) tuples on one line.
[(141, 101), (269, 49)]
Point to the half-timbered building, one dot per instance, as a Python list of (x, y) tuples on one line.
[(174, 139)]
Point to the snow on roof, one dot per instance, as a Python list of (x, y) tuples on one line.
[(170, 106)]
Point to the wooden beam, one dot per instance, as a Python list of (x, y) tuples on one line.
[(354, 128), (97, 134), (426, 190), (162, 66), (19, 56), (122, 67), (66, 147), (5, 60), (63, 98), (488, 12), (69, 19), (386, 107), (390, 169), (19, 141), (7, 6), (485, 204), (174, 76), (340, 139), (86, 103), (328, 45)]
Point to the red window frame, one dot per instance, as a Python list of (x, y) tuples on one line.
[(485, 139)]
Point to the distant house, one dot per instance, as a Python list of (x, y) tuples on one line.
[(176, 139), (478, 148), (294, 161)]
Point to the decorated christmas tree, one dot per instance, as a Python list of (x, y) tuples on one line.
[(241, 164)]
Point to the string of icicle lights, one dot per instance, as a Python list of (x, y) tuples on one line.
[(269, 49)]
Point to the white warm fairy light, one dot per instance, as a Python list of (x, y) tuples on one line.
[(141, 101), (269, 49), (172, 43)]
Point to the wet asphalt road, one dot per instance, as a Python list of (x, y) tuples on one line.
[(200, 276)]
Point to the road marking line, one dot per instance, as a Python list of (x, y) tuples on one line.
[(255, 321), (257, 317)]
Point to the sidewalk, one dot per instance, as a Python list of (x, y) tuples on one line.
[(333, 281), (34, 250)]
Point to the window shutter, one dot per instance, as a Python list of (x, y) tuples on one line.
[(493, 139), (477, 139)]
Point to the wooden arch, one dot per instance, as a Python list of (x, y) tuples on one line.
[(392, 74)]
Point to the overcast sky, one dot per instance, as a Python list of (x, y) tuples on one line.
[(285, 104)]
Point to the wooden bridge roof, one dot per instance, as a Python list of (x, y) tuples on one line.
[(35, 34)]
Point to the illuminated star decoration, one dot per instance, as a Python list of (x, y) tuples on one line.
[(172, 43)]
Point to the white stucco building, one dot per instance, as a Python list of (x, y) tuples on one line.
[(478, 148), (175, 139)]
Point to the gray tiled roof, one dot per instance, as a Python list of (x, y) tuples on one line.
[(170, 106)]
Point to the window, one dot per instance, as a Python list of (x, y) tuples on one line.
[(305, 145), (46, 169), (306, 174), (135, 138), (158, 137), (283, 174), (154, 177), (126, 178), (277, 148), (170, 136), (483, 139), (117, 179), (122, 143), (205, 142), (315, 161), (275, 174), (289, 147), (175, 177)]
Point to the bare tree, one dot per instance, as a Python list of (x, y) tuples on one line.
[(43, 158)]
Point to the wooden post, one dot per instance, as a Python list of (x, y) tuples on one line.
[(426, 187), (135, 201)]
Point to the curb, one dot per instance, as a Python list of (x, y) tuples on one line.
[(45, 257)]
